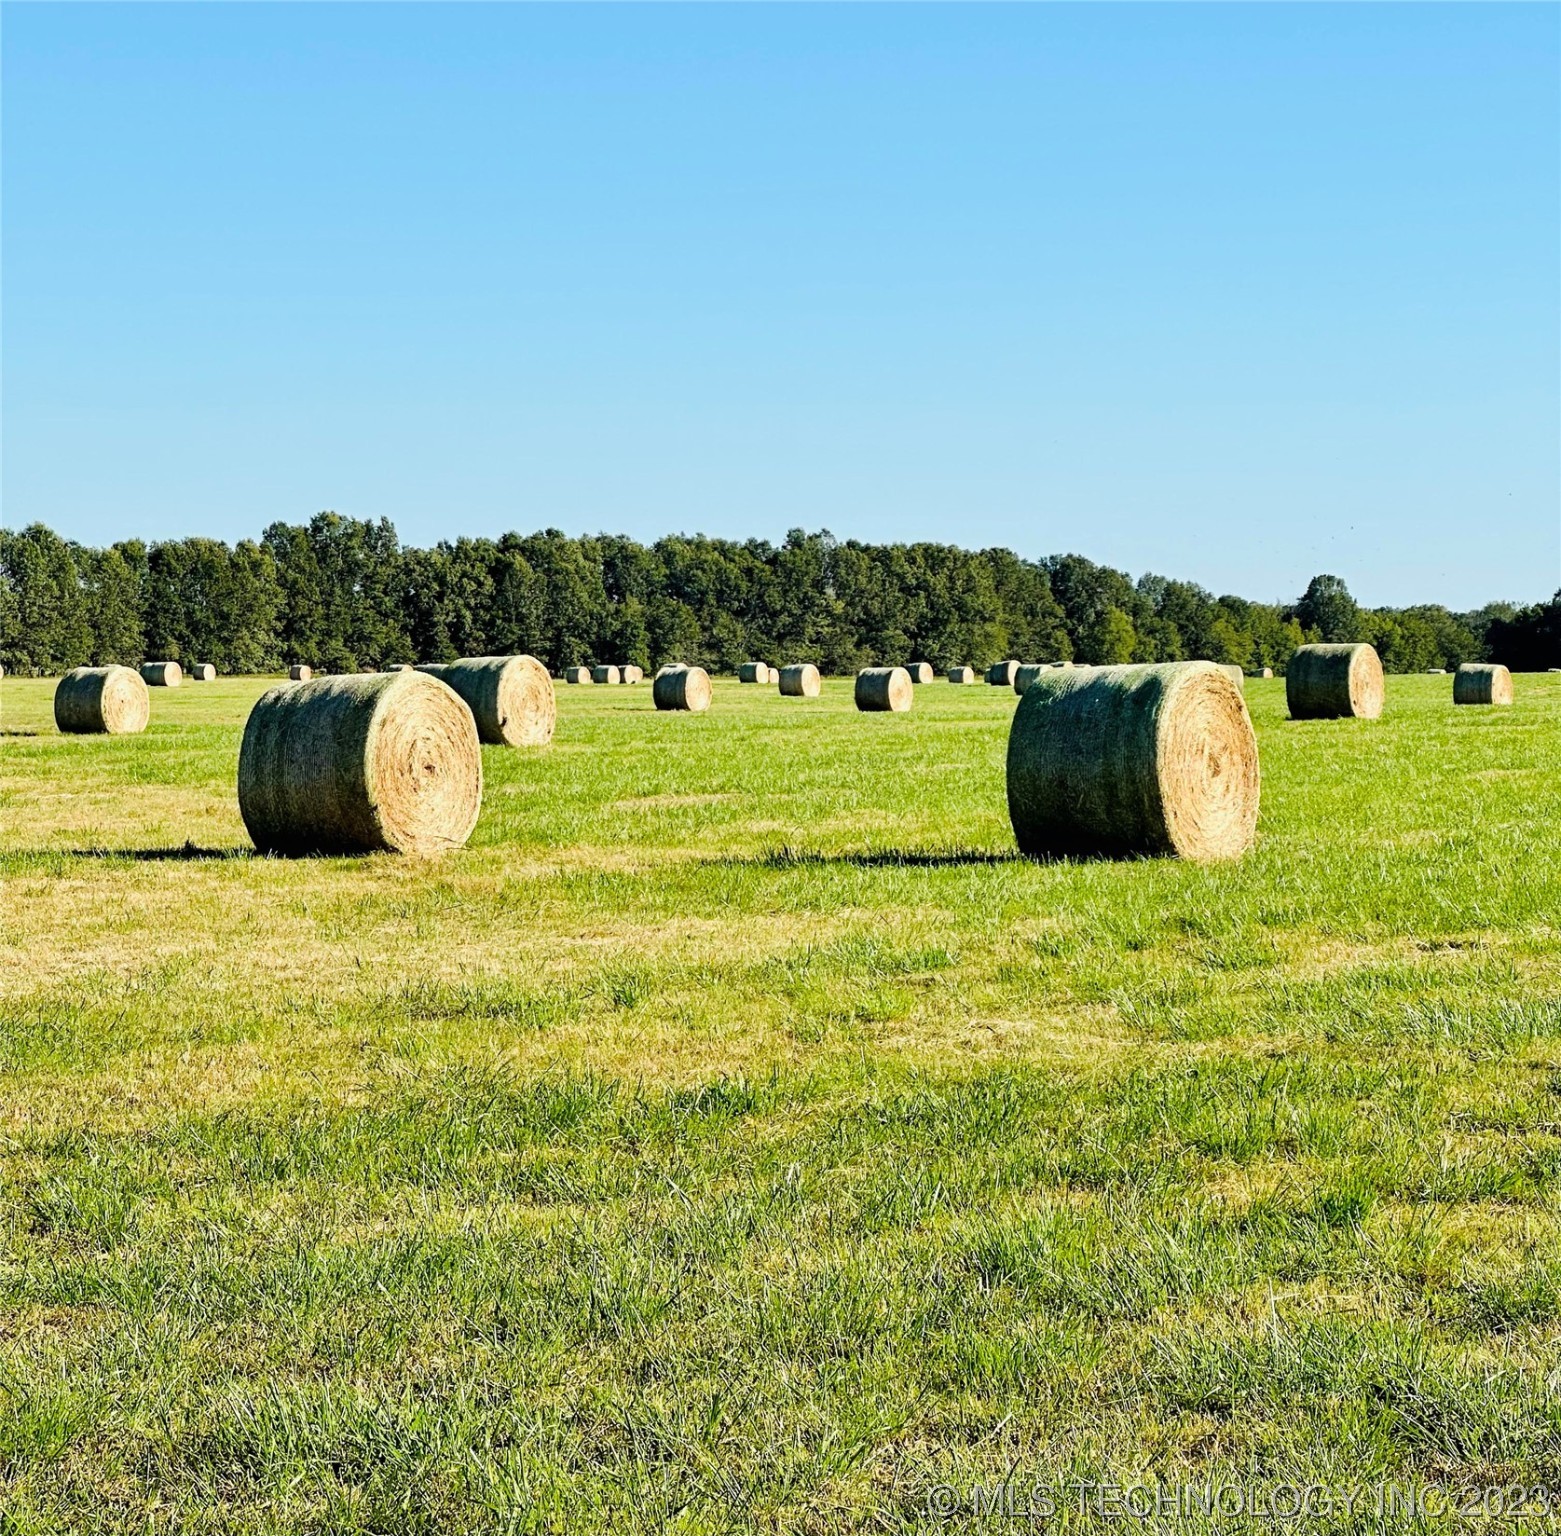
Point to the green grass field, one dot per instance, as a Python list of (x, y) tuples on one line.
[(738, 1135)]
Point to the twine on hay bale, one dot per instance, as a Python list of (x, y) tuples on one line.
[(801, 681), (884, 688), (162, 674), (359, 764), (681, 687), (1001, 673), (1334, 682), (962, 675), (511, 697), (1482, 682), (101, 701), (1156, 759)]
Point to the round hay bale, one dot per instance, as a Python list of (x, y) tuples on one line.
[(510, 697), (1334, 682), (633, 674), (203, 672), (681, 687), (1134, 760), (1265, 672), (800, 681), (102, 701), (921, 671), (1027, 674), (1436, 671), (884, 688), (962, 675), (299, 674), (577, 675), (1001, 673), (162, 674), (1233, 672), (1482, 682), (606, 674), (753, 672), (358, 764)]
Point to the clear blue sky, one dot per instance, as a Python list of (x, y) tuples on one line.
[(1235, 293)]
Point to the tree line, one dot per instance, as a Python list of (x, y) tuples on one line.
[(341, 593)]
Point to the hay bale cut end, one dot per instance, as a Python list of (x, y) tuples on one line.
[(1334, 682), (203, 672), (353, 764), (962, 675), (299, 674), (162, 674), (633, 674), (1482, 682), (680, 687), (921, 672), (801, 681), (884, 689), (511, 697), (102, 701), (1117, 761), (1001, 674)]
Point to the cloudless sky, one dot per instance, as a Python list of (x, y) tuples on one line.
[(1231, 293)]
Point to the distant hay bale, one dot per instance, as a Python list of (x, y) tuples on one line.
[(801, 681), (753, 672), (884, 688), (1436, 671), (609, 675), (1333, 682), (203, 672), (1482, 682), (962, 674), (1133, 760), (921, 672), (633, 674), (299, 674), (1001, 673), (102, 701), (578, 675), (162, 674), (358, 764), (1026, 674), (680, 687), (1264, 672), (510, 697)]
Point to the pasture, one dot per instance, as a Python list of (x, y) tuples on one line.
[(738, 1134)]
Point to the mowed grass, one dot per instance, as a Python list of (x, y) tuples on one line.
[(738, 1135)]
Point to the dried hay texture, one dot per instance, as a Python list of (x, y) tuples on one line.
[(962, 675), (1001, 673), (680, 687), (162, 674), (633, 674), (801, 681), (1334, 682), (1233, 672), (510, 697), (1482, 682), (102, 701), (1157, 759), (884, 689), (358, 764)]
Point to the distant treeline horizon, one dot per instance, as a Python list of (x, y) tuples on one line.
[(341, 593)]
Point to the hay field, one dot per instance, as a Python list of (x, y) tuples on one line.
[(738, 1135)]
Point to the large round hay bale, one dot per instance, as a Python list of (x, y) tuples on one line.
[(203, 672), (921, 672), (510, 697), (1332, 682), (962, 675), (800, 681), (162, 674), (1001, 673), (1129, 760), (298, 673), (681, 687), (102, 701), (1027, 673), (753, 672), (606, 674), (884, 688), (577, 675), (357, 764), (633, 674), (1482, 682)]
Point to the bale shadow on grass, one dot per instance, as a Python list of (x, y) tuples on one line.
[(186, 852)]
